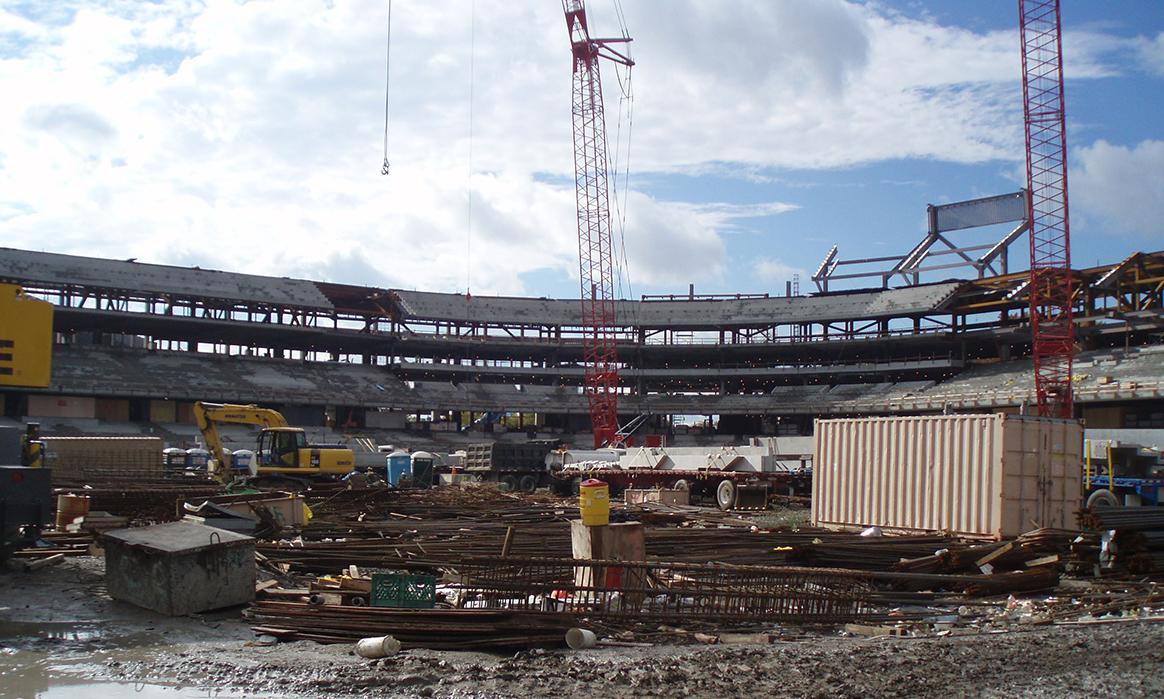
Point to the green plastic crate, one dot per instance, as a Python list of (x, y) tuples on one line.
[(403, 590)]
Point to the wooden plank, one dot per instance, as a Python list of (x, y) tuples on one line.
[(1045, 560), (994, 554), (507, 542)]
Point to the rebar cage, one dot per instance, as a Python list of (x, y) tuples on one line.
[(658, 590)]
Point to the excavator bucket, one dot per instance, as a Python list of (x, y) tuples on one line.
[(751, 496)]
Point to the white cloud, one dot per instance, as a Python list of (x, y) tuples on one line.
[(1151, 53), (1121, 186), (774, 271), (248, 135)]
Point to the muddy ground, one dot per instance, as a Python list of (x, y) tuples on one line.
[(60, 633)]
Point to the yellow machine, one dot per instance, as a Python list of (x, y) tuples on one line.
[(282, 450), (26, 338)]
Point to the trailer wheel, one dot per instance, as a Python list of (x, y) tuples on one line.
[(1102, 498), (528, 484), (682, 484), (725, 494), (576, 486), (508, 484)]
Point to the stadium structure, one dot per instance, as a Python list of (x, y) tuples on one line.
[(139, 342)]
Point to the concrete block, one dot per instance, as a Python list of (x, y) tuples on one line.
[(665, 496), (180, 568)]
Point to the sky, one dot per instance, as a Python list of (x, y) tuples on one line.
[(750, 137)]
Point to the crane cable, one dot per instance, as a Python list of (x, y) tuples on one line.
[(469, 182), (387, 85), (626, 99)]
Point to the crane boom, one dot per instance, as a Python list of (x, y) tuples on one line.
[(595, 246), (1051, 288)]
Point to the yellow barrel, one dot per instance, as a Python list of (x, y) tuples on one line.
[(594, 502), (70, 507)]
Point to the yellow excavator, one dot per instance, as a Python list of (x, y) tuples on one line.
[(283, 452)]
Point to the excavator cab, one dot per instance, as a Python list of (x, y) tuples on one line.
[(279, 447)]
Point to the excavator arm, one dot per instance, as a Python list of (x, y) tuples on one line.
[(209, 415)]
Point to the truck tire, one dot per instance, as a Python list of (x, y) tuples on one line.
[(682, 484), (576, 486), (508, 484), (1102, 498), (725, 494), (528, 483)]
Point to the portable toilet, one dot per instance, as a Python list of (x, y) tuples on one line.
[(197, 459), (243, 461), (399, 465), (174, 459), (422, 469)]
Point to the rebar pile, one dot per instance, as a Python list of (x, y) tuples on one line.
[(1003, 555), (666, 591), (1138, 539), (149, 500), (445, 629), (1124, 518)]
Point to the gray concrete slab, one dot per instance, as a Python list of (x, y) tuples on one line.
[(23, 266), (432, 306)]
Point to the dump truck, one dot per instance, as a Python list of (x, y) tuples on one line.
[(515, 466), (283, 457)]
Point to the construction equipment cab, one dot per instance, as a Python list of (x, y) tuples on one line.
[(282, 450)]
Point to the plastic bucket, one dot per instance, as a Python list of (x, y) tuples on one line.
[(377, 647), (594, 503), (580, 639)]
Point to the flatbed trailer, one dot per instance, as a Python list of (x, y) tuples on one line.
[(729, 489), (1127, 490), (1107, 482)]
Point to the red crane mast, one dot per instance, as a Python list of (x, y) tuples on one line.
[(595, 246), (1050, 288)]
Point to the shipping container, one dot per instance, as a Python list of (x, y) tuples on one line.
[(991, 475)]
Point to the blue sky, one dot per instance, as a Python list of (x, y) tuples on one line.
[(248, 136)]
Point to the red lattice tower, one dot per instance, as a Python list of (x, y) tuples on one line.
[(595, 245), (1050, 288)]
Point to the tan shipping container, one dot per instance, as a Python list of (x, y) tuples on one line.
[(991, 475)]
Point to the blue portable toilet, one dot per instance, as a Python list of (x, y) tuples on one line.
[(196, 459), (242, 460), (399, 465)]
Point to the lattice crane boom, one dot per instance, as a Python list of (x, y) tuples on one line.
[(595, 244), (1051, 289)]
